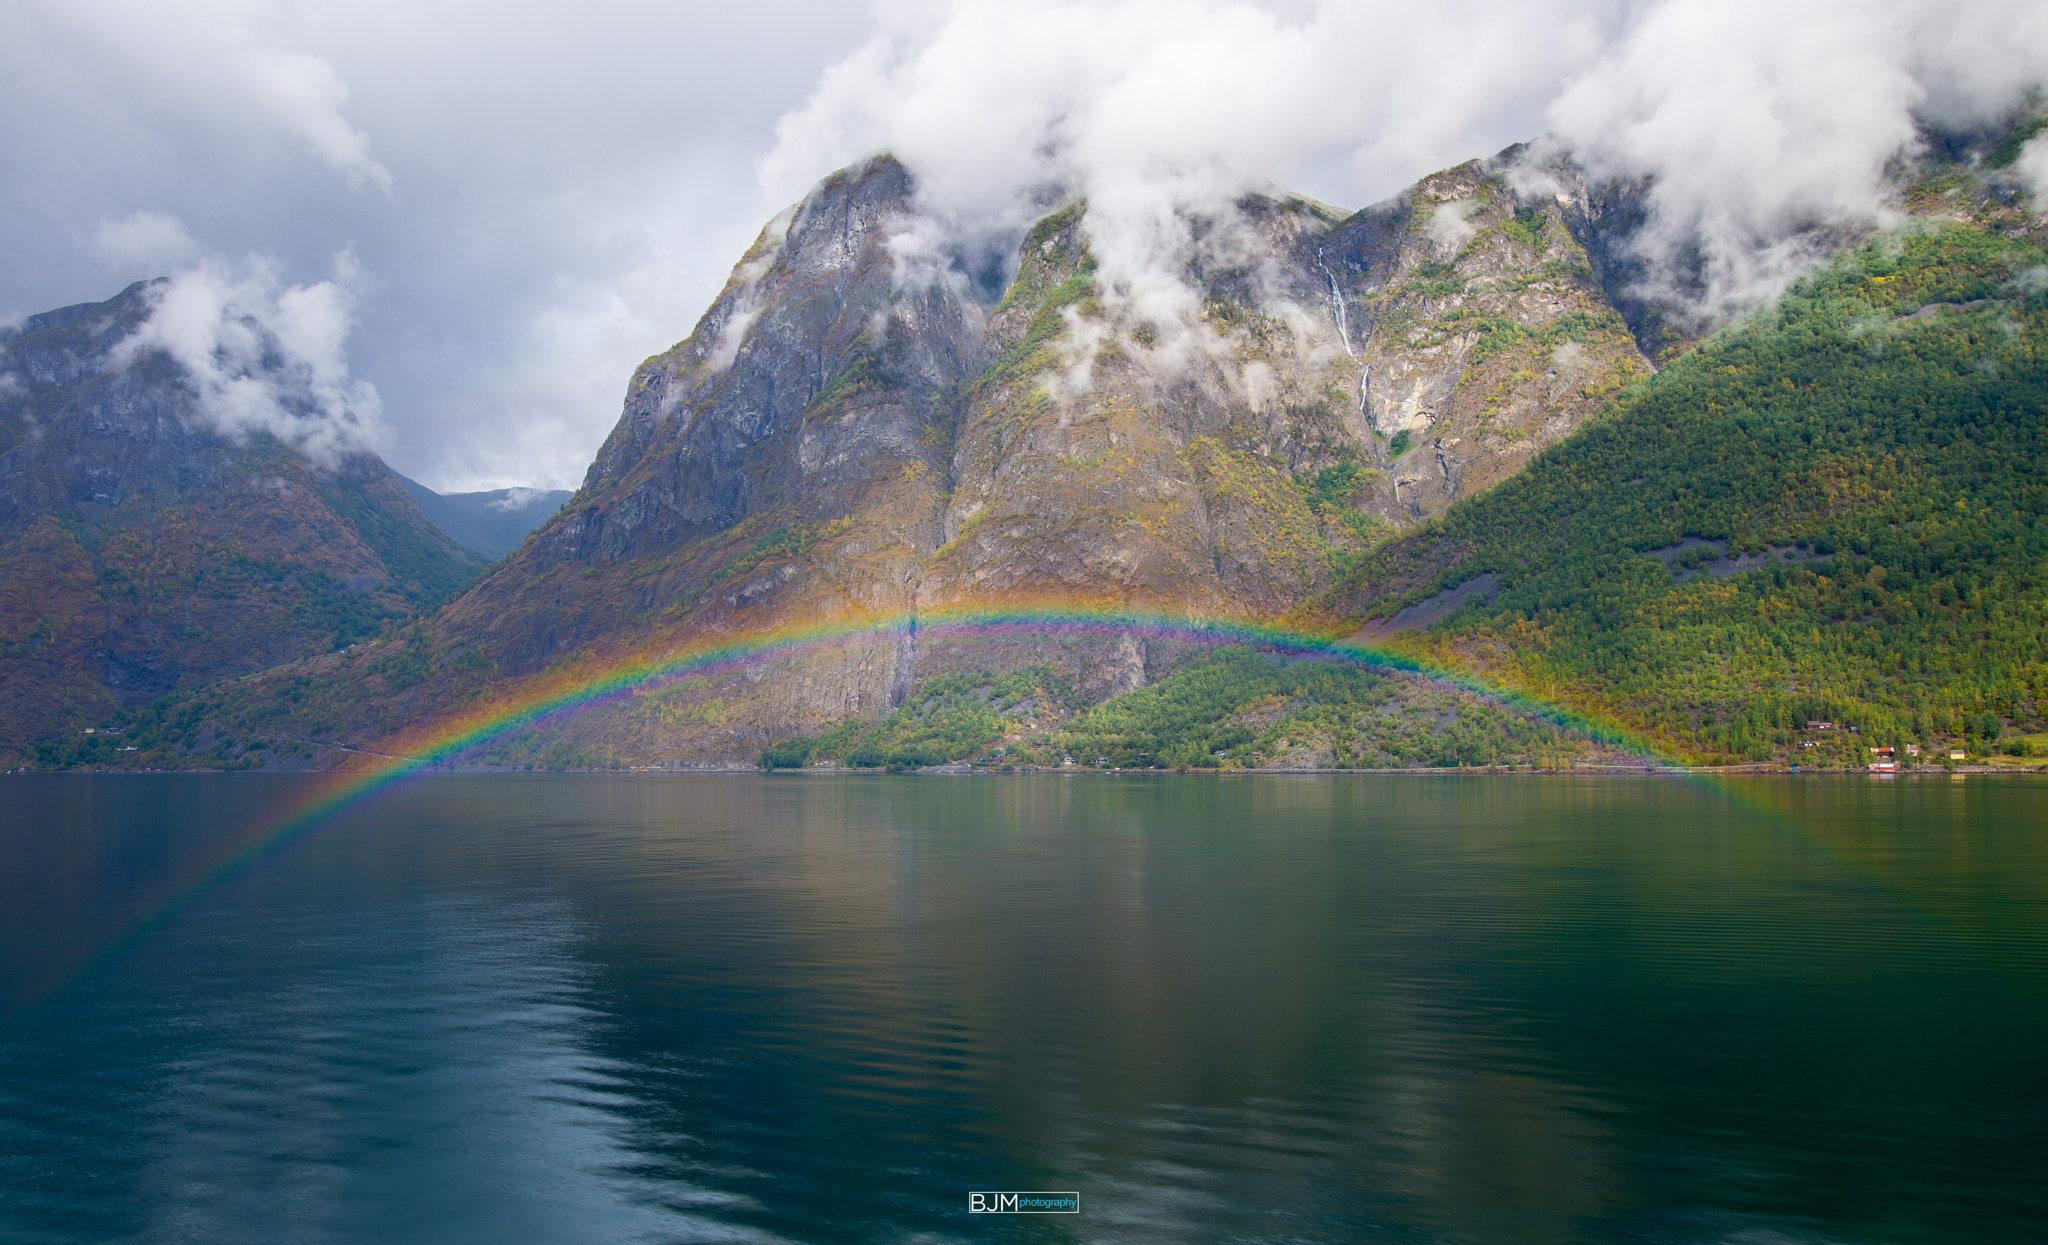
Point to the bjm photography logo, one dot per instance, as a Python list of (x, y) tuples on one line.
[(1024, 1203)]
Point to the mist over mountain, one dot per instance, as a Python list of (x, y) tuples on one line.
[(1754, 131)]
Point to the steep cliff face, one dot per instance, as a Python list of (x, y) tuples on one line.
[(805, 423), (1491, 336), (142, 552)]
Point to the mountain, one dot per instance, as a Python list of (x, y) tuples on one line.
[(142, 552), (838, 439), (1346, 441), (490, 523)]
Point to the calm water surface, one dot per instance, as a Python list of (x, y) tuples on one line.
[(569, 1008)]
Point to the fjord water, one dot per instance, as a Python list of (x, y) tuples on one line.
[(736, 1008)]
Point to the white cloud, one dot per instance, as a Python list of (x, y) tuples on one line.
[(263, 356), (303, 95), (1758, 120), (745, 307), (217, 55), (1162, 113), (1451, 227), (148, 242), (1568, 356), (2033, 167), (516, 499)]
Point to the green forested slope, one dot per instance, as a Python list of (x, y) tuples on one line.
[(1885, 421)]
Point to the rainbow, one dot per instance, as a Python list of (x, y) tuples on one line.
[(550, 697), (556, 695)]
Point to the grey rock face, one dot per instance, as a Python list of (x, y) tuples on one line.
[(817, 394), (742, 416)]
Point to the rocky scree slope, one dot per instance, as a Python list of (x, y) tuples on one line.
[(143, 553)]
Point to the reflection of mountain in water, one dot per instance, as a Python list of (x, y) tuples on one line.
[(744, 1009)]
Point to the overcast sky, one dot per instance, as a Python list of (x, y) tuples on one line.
[(500, 209), (538, 196)]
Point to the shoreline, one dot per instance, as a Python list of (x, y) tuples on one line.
[(965, 771)]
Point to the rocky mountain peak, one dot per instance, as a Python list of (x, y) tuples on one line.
[(816, 367)]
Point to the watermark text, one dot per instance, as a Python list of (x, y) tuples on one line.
[(1024, 1203)]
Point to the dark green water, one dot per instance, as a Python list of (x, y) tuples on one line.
[(510, 1009)]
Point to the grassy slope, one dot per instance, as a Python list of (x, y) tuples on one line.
[(1889, 414), (1240, 709)]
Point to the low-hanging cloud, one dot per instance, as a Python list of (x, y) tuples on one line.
[(1757, 124), (2032, 166), (262, 356), (1162, 113), (1451, 227)]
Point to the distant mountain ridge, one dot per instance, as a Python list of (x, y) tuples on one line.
[(490, 523)]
